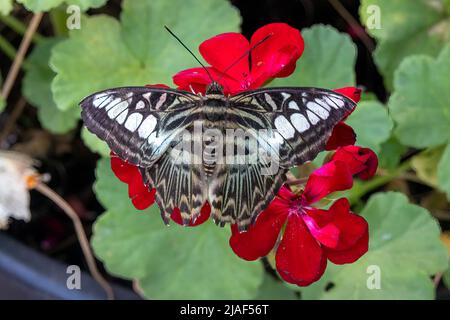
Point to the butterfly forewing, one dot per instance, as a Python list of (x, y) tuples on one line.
[(299, 120), (139, 123)]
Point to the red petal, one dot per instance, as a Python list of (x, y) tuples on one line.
[(276, 56), (331, 177), (350, 92), (352, 227), (360, 161), (144, 199), (350, 255), (196, 79), (121, 169), (140, 195), (159, 85), (342, 135), (225, 49), (201, 218), (299, 257), (261, 237), (319, 223)]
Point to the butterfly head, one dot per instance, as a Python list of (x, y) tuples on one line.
[(214, 88)]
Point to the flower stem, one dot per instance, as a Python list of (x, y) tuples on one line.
[(18, 59), (377, 182), (20, 28), (7, 48), (81, 235)]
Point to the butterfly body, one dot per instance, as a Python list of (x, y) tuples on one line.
[(231, 151)]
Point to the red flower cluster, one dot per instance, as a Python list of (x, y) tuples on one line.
[(311, 235)]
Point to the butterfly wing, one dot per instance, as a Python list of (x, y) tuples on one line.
[(296, 122), (145, 127), (139, 123)]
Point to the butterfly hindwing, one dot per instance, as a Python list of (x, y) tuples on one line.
[(139, 123), (297, 124)]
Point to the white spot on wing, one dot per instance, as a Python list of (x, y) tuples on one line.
[(270, 101), (312, 117), (133, 121), (337, 102), (147, 126), (121, 118), (317, 109), (284, 127), (285, 95), (140, 105), (99, 99), (293, 105), (161, 101), (111, 104), (117, 109), (322, 103), (300, 122)]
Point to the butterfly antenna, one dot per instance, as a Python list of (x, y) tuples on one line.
[(189, 50), (243, 56)]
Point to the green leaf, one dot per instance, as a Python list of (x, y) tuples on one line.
[(46, 5), (328, 60), (405, 247), (2, 104), (425, 165), (6, 7), (137, 50), (274, 289), (36, 88), (420, 103), (95, 144), (390, 153), (169, 262), (443, 172), (372, 124), (406, 28)]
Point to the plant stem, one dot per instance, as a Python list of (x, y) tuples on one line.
[(81, 235), (361, 33), (7, 48), (378, 181), (18, 59), (19, 27)]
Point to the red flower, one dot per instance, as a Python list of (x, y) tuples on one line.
[(273, 58), (311, 235)]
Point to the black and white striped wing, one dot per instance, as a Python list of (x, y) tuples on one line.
[(296, 123), (299, 121), (139, 123)]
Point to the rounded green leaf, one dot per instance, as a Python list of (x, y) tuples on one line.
[(404, 250), (404, 28), (36, 88), (46, 5), (6, 6), (372, 124), (327, 62), (168, 262), (420, 104), (443, 172), (95, 144)]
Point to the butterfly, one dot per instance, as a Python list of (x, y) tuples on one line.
[(147, 127)]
